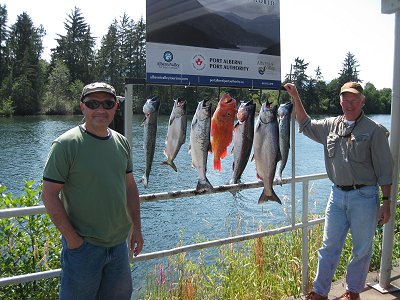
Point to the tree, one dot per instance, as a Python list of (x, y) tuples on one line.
[(3, 49), (109, 59), (76, 48), (349, 70), (56, 100), (25, 79)]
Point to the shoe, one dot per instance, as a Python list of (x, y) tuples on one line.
[(315, 296), (350, 296)]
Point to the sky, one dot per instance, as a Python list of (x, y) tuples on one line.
[(320, 32)]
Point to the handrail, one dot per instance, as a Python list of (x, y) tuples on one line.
[(40, 209), (27, 211)]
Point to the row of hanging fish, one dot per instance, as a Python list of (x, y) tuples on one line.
[(212, 133)]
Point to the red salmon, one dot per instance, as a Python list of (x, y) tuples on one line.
[(222, 128)]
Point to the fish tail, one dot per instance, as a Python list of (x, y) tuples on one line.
[(203, 185), (264, 197), (217, 164), (279, 178), (171, 164)]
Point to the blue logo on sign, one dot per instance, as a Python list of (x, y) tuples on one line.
[(168, 56)]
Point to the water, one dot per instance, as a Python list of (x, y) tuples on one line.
[(25, 142)]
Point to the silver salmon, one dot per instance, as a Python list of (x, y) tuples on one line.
[(243, 134), (266, 150), (150, 110), (284, 115), (176, 133), (200, 143)]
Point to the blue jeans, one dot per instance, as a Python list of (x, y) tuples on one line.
[(356, 210), (93, 272)]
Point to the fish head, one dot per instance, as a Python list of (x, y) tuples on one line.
[(245, 110), (152, 105), (180, 106), (226, 109), (285, 109), (267, 113), (203, 110)]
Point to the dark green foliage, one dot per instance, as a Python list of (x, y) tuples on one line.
[(76, 48), (25, 80), (27, 245)]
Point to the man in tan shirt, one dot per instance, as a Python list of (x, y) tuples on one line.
[(357, 160)]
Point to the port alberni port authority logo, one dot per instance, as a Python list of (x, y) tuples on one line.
[(198, 62)]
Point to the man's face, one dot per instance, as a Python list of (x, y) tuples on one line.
[(98, 117), (351, 105)]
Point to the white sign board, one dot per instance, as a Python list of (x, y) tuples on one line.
[(216, 43)]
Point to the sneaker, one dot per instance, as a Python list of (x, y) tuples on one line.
[(350, 296), (315, 296)]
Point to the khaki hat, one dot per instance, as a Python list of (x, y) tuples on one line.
[(351, 87), (98, 87)]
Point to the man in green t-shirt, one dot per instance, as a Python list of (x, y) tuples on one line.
[(90, 194)]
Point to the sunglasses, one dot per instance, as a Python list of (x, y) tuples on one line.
[(94, 104)]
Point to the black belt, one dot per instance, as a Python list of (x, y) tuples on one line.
[(347, 188)]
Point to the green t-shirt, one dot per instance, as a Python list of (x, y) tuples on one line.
[(93, 171)]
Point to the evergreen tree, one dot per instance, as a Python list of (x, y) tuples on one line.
[(76, 48), (25, 47), (349, 71), (109, 61), (3, 49), (301, 80)]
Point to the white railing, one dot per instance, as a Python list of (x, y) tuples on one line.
[(304, 226)]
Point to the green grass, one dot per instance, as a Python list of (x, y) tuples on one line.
[(263, 268)]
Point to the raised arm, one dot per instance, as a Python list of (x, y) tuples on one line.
[(300, 112)]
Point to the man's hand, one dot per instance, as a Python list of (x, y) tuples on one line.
[(384, 213), (136, 241)]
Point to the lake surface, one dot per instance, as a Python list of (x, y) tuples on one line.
[(25, 142)]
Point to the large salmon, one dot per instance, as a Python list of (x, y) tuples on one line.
[(200, 143), (243, 134), (150, 110), (266, 150), (284, 115), (222, 128), (176, 134)]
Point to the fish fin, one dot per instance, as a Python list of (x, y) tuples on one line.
[(236, 124), (278, 179), (210, 147), (233, 165), (171, 120), (257, 125), (143, 180), (144, 119), (252, 158), (264, 197), (203, 185), (223, 155), (217, 164), (171, 164), (233, 150)]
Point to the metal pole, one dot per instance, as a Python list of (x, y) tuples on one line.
[(128, 118), (304, 240), (388, 232)]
